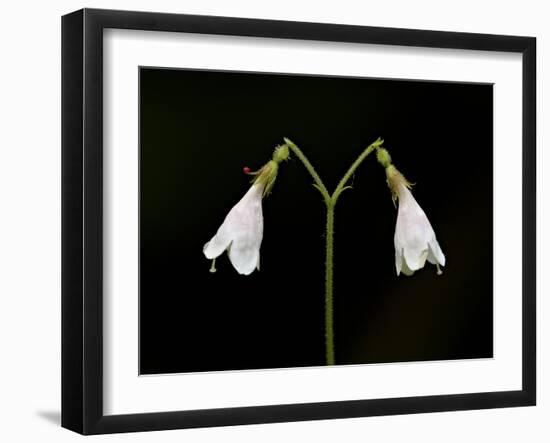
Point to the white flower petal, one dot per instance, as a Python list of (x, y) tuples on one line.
[(415, 259), (243, 258), (435, 255), (398, 259), (406, 269), (219, 243)]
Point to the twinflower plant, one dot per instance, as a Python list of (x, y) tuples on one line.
[(241, 232)]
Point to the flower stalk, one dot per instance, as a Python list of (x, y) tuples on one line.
[(330, 203), (329, 303)]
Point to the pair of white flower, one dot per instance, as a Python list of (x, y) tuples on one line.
[(241, 232)]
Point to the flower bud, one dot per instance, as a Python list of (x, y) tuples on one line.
[(281, 153), (383, 157)]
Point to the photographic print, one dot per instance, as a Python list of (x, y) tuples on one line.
[(298, 220), (348, 212)]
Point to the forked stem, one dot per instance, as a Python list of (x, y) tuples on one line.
[(330, 202), (318, 183)]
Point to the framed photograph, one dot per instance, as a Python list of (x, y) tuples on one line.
[(269, 221)]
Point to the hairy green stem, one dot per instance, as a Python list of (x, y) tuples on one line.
[(342, 185), (329, 270), (318, 182), (330, 202)]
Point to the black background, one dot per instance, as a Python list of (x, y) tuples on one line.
[(199, 128)]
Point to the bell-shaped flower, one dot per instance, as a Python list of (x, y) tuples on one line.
[(241, 232), (415, 240)]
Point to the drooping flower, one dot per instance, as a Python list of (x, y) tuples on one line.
[(414, 240), (241, 232)]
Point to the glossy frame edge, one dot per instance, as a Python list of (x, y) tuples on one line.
[(82, 219)]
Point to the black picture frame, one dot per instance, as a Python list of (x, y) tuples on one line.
[(82, 218)]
